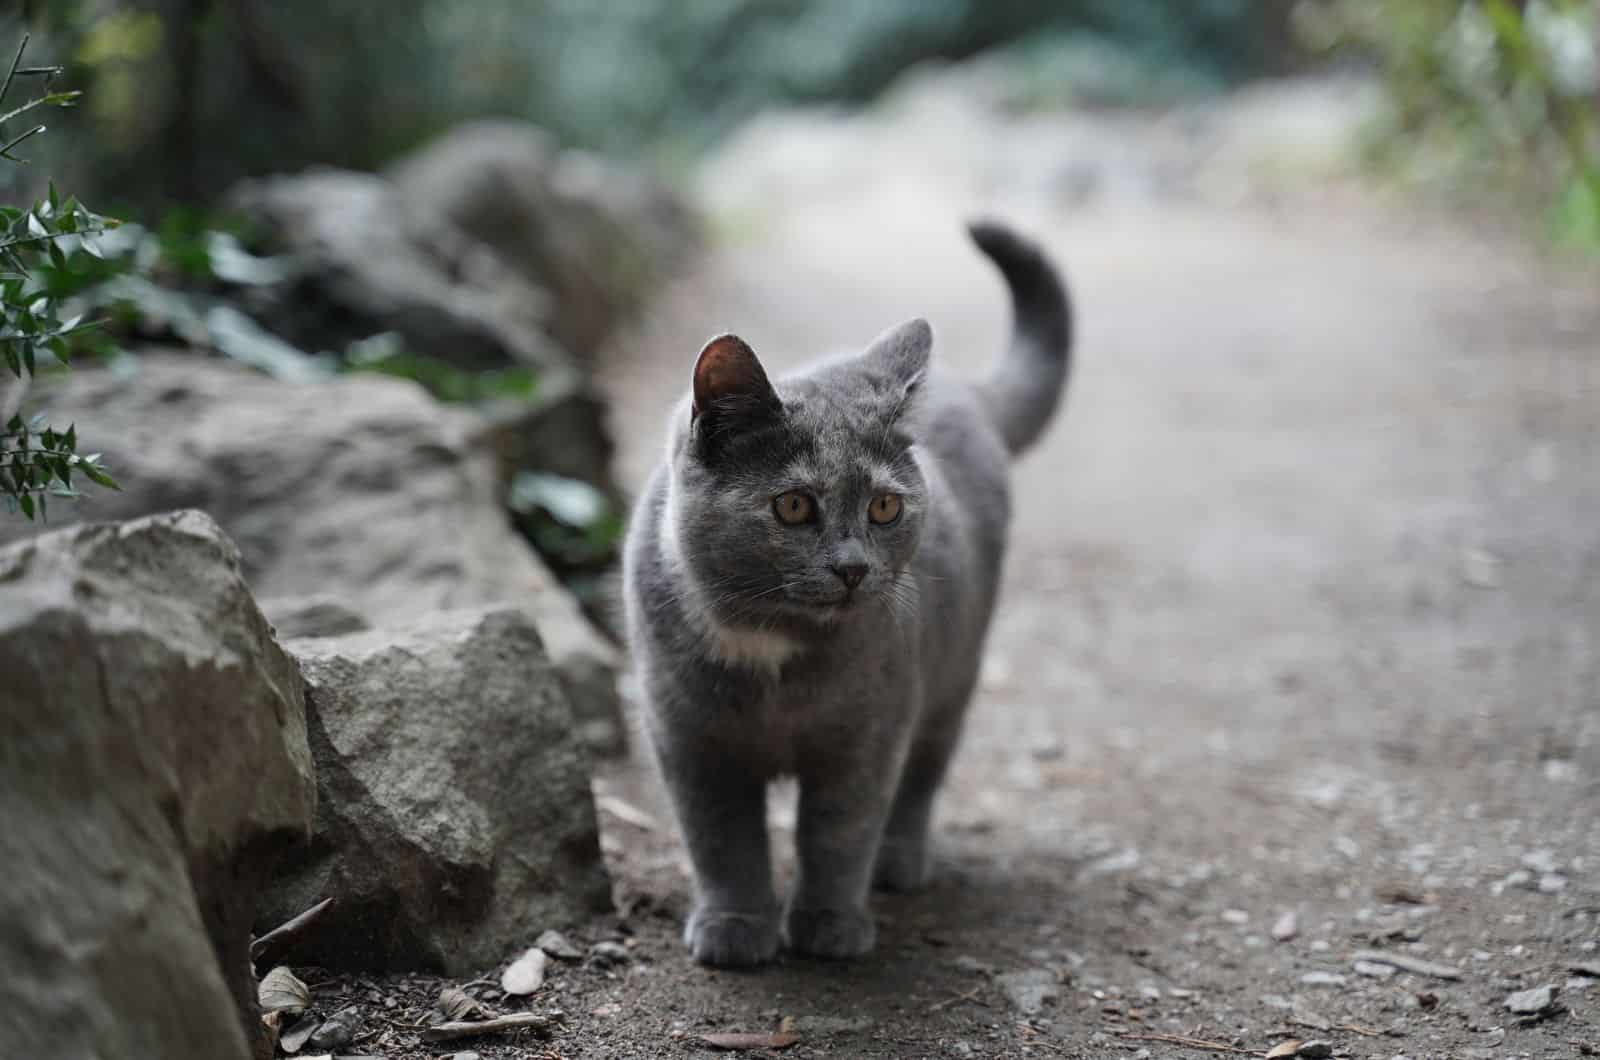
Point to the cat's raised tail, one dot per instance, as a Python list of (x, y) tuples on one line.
[(1026, 383)]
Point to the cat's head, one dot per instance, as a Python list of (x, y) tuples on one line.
[(794, 504)]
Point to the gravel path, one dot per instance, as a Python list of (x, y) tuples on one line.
[(1299, 652)]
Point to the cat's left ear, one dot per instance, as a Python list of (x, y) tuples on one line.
[(731, 390), (901, 354)]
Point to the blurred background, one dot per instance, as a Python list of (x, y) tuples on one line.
[(1302, 593), (593, 150)]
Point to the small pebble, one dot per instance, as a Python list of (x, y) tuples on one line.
[(559, 946), (1236, 916), (1552, 883), (1531, 1002), (1322, 979), (466, 1056), (1374, 970), (1539, 861), (610, 953), (336, 1031), (1286, 927)]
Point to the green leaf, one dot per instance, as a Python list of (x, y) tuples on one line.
[(99, 476), (54, 199), (25, 502)]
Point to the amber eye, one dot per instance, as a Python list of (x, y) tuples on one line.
[(794, 508), (884, 509)]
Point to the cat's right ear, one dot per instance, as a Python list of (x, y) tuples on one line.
[(731, 388)]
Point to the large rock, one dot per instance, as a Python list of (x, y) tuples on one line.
[(361, 488), (153, 765), (596, 235), (454, 821), (367, 261)]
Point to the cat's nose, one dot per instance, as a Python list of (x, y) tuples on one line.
[(851, 573)]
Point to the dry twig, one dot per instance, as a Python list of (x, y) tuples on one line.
[(269, 947), (1187, 1043), (444, 1032)]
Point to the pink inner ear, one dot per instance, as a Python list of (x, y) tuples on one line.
[(727, 365)]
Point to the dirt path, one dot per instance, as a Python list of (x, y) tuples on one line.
[(1302, 614)]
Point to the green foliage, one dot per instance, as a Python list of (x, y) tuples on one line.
[(1485, 97), (190, 95), (387, 355), (36, 460), (571, 523)]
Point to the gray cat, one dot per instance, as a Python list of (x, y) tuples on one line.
[(809, 577)]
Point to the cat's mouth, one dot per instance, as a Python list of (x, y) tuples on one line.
[(827, 604)]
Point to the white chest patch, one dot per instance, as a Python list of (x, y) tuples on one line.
[(756, 649)]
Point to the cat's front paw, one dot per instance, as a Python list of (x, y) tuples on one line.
[(830, 933), (729, 939), (902, 865)]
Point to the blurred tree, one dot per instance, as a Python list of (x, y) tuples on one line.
[(1485, 96), (190, 95)]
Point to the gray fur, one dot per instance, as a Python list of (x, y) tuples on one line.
[(754, 663)]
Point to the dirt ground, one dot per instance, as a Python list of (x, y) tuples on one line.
[(1302, 618)]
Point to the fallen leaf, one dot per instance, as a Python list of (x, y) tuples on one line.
[(735, 1040), (525, 974), (282, 991), (457, 1004), (1288, 1048), (297, 1036), (270, 1021)]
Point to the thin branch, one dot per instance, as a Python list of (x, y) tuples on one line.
[(54, 99), (277, 941), (1186, 1042), (444, 1032), (7, 244), (12, 73), (5, 150)]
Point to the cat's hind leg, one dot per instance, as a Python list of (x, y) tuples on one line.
[(902, 862)]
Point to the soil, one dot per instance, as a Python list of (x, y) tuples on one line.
[(1302, 613)]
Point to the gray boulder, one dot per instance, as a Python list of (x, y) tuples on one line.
[(454, 818), (367, 261), (154, 763), (596, 235), (361, 488)]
